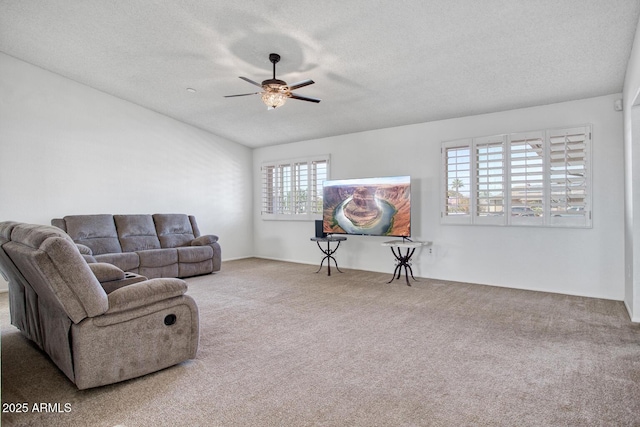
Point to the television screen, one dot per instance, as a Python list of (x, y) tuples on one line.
[(368, 206)]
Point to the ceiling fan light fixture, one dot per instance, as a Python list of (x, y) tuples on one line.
[(274, 98)]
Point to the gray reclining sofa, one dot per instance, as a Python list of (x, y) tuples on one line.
[(159, 245), (95, 334)]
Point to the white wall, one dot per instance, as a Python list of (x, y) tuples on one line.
[(586, 262), (68, 149), (632, 176)]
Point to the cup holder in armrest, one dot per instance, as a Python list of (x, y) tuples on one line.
[(170, 319)]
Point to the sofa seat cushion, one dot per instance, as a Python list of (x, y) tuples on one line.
[(194, 253), (158, 257), (173, 230), (158, 263), (98, 232), (189, 269), (136, 232), (195, 260), (127, 261)]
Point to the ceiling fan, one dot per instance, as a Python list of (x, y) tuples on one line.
[(276, 92)]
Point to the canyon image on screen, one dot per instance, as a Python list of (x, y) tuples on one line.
[(368, 206)]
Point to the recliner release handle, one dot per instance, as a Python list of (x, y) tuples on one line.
[(170, 319)]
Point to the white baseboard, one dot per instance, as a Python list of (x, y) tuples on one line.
[(285, 260), (237, 258)]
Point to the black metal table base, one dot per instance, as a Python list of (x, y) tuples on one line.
[(328, 256), (403, 261)]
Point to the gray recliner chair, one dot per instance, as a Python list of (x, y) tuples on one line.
[(58, 301)]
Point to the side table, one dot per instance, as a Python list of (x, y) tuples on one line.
[(328, 253), (403, 260)]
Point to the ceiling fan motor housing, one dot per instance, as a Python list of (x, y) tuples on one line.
[(274, 84)]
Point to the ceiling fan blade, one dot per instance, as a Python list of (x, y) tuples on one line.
[(301, 84), (242, 94), (251, 81), (304, 98)]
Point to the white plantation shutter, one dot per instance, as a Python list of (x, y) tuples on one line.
[(268, 189), (526, 173), (319, 174), (292, 189), (284, 197), (490, 182), (301, 187), (540, 178), (569, 173), (456, 164)]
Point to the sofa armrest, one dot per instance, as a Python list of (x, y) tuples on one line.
[(106, 272), (84, 249), (86, 253), (89, 259), (144, 293), (204, 240)]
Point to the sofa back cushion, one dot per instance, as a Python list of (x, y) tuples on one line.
[(136, 232), (98, 232), (59, 222), (174, 230)]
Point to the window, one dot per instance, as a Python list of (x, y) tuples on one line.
[(292, 189), (458, 179), (533, 178)]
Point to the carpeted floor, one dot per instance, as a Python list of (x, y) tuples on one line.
[(282, 346)]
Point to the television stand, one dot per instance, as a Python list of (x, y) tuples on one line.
[(403, 261), (328, 253)]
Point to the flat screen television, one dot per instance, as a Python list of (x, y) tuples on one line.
[(367, 206)]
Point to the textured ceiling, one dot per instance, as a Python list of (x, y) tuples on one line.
[(376, 64)]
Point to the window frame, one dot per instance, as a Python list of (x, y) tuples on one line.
[(577, 162), (280, 191)]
